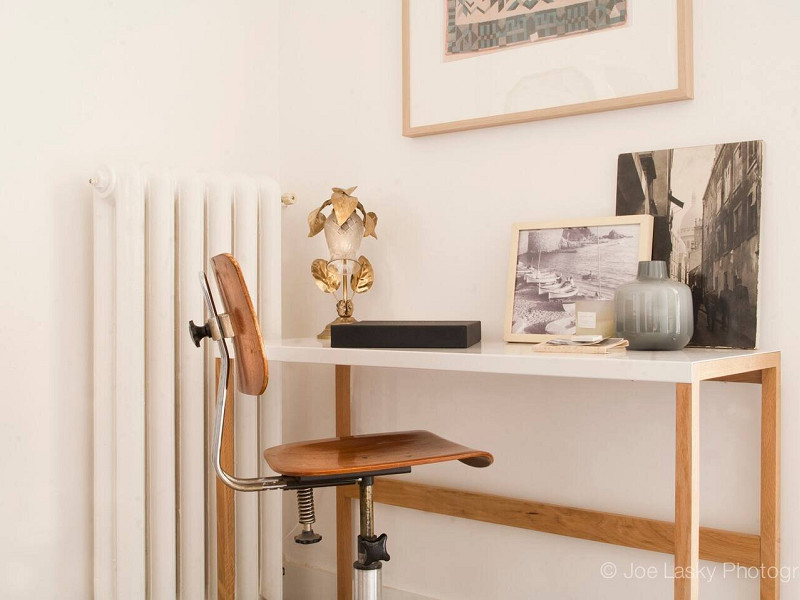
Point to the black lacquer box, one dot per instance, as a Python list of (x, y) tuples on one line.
[(406, 334)]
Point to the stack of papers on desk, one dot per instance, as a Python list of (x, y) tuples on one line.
[(599, 346)]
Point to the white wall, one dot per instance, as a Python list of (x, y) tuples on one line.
[(187, 84), (446, 204), (194, 85)]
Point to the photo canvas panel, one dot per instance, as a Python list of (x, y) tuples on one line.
[(706, 204)]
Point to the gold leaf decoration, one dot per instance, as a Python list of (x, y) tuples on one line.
[(366, 276), (343, 204), (334, 277), (326, 276), (370, 221), (316, 222)]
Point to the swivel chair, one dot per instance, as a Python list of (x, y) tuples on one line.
[(304, 466)]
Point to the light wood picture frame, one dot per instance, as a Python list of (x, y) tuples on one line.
[(683, 89), (552, 265)]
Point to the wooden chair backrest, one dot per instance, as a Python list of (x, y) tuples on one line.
[(251, 359)]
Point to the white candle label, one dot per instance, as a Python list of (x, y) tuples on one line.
[(587, 320)]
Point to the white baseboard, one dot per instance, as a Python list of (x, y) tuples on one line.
[(305, 583)]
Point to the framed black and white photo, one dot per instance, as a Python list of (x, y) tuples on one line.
[(554, 265), (706, 201)]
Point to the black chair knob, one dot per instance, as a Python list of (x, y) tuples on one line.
[(372, 550), (198, 333)]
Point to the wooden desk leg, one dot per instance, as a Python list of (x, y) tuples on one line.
[(226, 503), (345, 549), (687, 506), (770, 482)]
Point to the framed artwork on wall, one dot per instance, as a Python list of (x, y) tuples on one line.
[(554, 265), (706, 202), (478, 63)]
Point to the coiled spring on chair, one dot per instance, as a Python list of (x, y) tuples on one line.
[(305, 509), (305, 506)]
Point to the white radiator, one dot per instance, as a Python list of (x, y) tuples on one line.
[(154, 511)]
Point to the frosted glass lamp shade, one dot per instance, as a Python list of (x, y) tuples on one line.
[(344, 242)]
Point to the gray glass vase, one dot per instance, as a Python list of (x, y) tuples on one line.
[(654, 312)]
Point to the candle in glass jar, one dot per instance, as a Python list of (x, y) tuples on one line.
[(594, 317)]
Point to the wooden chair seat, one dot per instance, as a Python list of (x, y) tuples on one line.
[(365, 453)]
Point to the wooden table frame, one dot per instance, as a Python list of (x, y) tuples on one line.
[(684, 538)]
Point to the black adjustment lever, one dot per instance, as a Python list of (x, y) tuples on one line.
[(198, 333), (371, 550)]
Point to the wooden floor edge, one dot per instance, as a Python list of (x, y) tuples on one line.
[(716, 545)]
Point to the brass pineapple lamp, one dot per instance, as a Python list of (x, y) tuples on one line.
[(345, 227)]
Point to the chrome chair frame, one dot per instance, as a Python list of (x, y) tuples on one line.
[(366, 581), (220, 330)]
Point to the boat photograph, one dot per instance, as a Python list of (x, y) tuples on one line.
[(557, 267), (566, 291), (541, 277)]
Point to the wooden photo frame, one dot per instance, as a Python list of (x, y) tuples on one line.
[(502, 77), (555, 264)]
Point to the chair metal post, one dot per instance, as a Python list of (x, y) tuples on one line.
[(367, 579), (367, 519)]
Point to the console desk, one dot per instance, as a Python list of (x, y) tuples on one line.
[(686, 369)]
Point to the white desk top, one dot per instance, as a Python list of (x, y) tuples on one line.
[(513, 359)]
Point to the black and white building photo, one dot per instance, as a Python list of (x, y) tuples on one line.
[(706, 202)]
